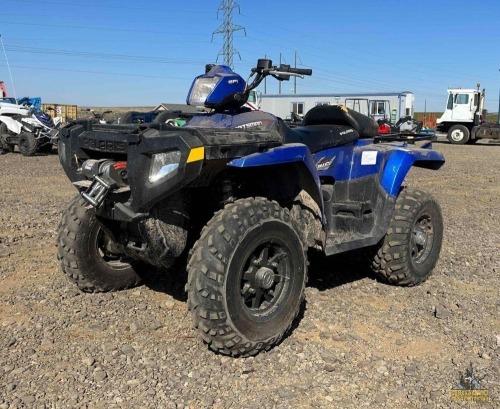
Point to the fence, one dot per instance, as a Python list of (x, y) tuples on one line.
[(428, 118)]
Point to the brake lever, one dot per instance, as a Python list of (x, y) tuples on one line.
[(289, 74)]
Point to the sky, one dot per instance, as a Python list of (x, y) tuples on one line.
[(130, 53)]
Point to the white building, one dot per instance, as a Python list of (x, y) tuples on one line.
[(391, 105)]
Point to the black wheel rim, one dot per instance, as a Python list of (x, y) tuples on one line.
[(422, 239), (265, 280), (102, 247)]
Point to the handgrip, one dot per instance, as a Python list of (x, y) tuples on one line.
[(301, 71)]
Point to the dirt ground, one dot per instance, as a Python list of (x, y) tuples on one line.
[(359, 342)]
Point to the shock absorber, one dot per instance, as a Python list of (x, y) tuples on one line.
[(227, 191)]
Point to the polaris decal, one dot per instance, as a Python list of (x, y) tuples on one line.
[(346, 131), (250, 125), (103, 146), (325, 163)]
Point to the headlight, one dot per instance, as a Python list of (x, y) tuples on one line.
[(164, 165), (202, 88)]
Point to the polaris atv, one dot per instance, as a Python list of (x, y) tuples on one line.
[(253, 195)]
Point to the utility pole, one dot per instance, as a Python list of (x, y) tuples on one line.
[(265, 82), (227, 29), (295, 78), (279, 82)]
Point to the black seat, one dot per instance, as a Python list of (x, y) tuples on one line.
[(319, 137), (341, 115)]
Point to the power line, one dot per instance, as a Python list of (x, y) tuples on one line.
[(86, 6), (100, 28), (108, 56), (95, 72)]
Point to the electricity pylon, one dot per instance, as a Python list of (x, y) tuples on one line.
[(227, 29)]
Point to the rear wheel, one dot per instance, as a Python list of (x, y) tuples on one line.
[(27, 144), (4, 133), (88, 256), (458, 134), (246, 278), (409, 251)]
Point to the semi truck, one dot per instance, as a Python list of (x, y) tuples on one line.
[(464, 117)]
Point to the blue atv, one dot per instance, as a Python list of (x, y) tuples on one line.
[(245, 197)]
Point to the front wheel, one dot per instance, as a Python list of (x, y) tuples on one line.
[(458, 134), (247, 275), (88, 256), (27, 144), (409, 251)]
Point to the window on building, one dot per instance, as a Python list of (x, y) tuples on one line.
[(461, 98), (378, 108), (298, 108), (322, 103)]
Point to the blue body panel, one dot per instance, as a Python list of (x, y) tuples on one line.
[(291, 153), (229, 83), (391, 161), (399, 163)]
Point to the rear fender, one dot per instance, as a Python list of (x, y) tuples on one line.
[(399, 163), (12, 124), (289, 154)]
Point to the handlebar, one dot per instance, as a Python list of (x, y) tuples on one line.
[(282, 73), (290, 70), (283, 68), (301, 71)]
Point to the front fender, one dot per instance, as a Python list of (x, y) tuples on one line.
[(12, 124), (287, 154), (399, 163)]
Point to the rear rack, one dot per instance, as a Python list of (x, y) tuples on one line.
[(401, 137)]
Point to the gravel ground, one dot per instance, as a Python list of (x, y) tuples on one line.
[(358, 343)]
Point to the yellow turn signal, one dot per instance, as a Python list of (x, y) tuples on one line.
[(196, 154)]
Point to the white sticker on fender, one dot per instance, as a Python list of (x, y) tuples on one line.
[(369, 158)]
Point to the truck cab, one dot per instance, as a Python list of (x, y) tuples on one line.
[(463, 105), (462, 113)]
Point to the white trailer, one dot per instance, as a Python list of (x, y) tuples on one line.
[(390, 105)]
